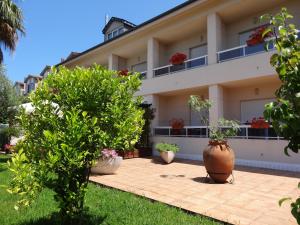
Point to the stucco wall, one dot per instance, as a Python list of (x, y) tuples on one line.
[(234, 96), (138, 58), (177, 107), (182, 46), (258, 153), (250, 22)]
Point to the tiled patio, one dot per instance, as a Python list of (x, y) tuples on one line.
[(252, 199)]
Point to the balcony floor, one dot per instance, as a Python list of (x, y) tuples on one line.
[(252, 199)]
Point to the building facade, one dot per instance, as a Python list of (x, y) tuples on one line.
[(238, 79)]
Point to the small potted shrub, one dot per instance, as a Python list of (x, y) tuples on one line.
[(178, 58), (177, 125), (167, 151), (257, 36), (218, 157), (108, 163)]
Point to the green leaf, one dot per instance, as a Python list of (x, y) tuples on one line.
[(84, 113)]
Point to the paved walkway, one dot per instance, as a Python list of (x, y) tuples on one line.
[(252, 199)]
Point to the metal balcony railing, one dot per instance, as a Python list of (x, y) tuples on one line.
[(245, 132), (188, 64)]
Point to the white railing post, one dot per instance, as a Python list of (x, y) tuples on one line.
[(169, 132), (244, 51)]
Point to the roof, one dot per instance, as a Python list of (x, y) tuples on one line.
[(32, 76), (18, 83), (116, 19), (178, 7), (47, 67)]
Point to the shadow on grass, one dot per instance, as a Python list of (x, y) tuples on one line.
[(55, 219)]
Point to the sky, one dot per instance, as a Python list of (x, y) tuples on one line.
[(54, 28)]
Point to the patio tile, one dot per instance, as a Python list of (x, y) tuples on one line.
[(252, 199)]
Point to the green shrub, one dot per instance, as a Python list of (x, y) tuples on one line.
[(164, 147), (76, 114)]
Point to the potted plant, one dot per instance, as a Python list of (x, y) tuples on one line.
[(218, 157), (108, 163), (257, 36), (123, 72), (259, 123), (178, 58), (167, 151), (177, 125)]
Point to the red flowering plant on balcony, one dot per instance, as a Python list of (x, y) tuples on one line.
[(177, 123), (259, 123), (123, 72), (178, 58), (257, 36)]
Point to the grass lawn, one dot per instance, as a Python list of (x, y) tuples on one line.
[(106, 206)]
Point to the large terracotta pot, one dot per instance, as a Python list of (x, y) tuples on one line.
[(107, 166), (219, 161), (167, 156)]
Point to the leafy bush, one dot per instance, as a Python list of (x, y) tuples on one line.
[(77, 113), (284, 113), (164, 147)]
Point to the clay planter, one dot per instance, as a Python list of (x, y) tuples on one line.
[(167, 156), (107, 166), (218, 159)]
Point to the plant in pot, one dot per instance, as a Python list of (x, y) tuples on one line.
[(167, 151), (257, 36), (108, 162), (218, 157), (177, 125), (178, 58)]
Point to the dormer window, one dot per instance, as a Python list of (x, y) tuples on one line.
[(115, 27), (116, 32)]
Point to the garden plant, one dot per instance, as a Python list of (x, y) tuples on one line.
[(77, 113), (284, 113)]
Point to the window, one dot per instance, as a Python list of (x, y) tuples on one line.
[(141, 67), (30, 87), (198, 51), (115, 33)]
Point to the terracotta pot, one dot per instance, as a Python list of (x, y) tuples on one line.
[(107, 166), (218, 159), (167, 156)]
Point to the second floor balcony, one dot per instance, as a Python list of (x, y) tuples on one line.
[(186, 65)]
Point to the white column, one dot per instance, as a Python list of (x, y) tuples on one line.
[(215, 36), (216, 96), (113, 62), (152, 56)]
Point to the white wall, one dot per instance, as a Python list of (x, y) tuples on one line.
[(255, 153)]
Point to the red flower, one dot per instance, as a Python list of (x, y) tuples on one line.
[(259, 123), (257, 38), (177, 123), (123, 72), (177, 58)]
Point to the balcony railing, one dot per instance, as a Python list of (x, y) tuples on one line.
[(242, 51), (245, 132), (188, 64)]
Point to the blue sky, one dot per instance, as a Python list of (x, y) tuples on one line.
[(54, 28)]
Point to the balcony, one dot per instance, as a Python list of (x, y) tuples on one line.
[(242, 51), (188, 64), (245, 132)]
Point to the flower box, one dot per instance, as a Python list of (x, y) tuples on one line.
[(256, 37), (178, 58), (259, 123)]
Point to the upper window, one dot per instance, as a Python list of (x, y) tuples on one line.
[(115, 33)]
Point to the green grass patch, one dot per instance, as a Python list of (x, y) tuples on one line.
[(105, 206)]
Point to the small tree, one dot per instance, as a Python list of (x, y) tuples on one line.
[(8, 97), (284, 113), (76, 114)]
